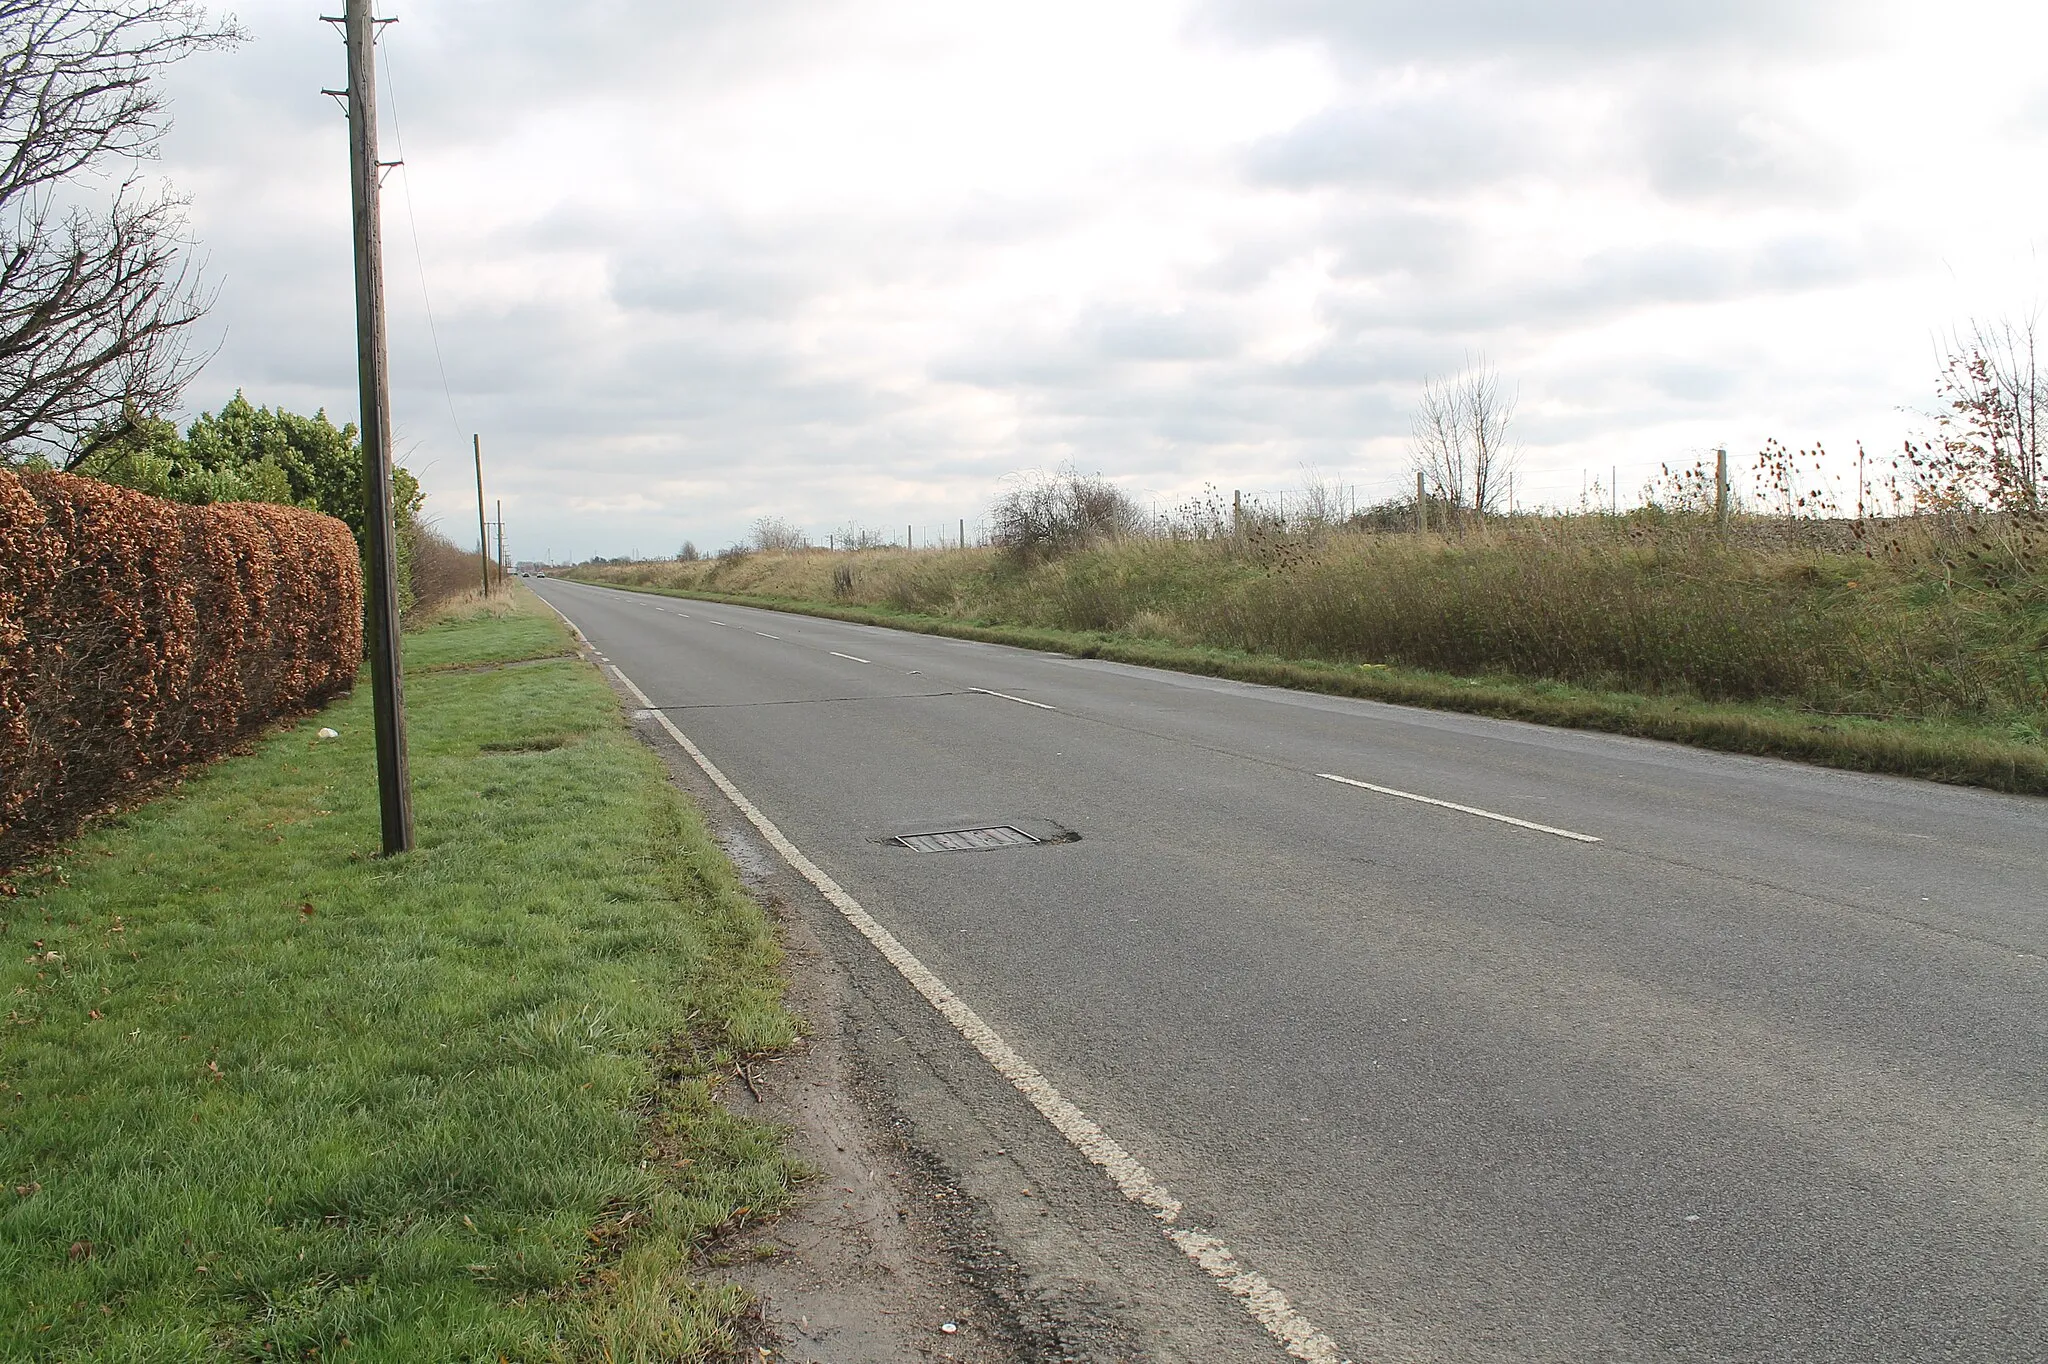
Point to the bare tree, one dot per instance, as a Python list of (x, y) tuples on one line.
[(96, 300), (772, 534), (1462, 446), (1996, 397), (1439, 453)]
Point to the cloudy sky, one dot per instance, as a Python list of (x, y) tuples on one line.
[(856, 261)]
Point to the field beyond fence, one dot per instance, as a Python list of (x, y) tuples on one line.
[(1938, 621)]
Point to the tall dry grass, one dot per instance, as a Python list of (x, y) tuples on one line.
[(1926, 618)]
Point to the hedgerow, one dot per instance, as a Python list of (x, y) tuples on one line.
[(137, 634)]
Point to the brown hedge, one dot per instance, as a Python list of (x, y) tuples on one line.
[(137, 634)]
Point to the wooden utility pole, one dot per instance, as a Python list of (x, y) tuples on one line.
[(394, 780), (483, 540), (1421, 507), (501, 542)]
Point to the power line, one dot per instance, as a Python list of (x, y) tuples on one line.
[(412, 221)]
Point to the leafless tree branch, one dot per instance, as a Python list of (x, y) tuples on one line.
[(96, 301), (1461, 442)]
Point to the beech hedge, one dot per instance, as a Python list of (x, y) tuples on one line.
[(137, 634)]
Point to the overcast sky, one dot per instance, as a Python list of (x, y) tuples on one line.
[(857, 261)]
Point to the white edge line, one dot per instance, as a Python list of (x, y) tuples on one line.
[(1463, 809), (1267, 1304), (574, 628), (1018, 699), (836, 654)]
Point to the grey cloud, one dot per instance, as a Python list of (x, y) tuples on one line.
[(1248, 264), (468, 67), (1159, 336), (1697, 145), (1434, 143), (1391, 32), (726, 287), (1424, 243), (986, 220), (1080, 359), (1368, 353), (1612, 282), (1694, 382)]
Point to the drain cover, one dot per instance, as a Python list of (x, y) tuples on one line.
[(967, 840)]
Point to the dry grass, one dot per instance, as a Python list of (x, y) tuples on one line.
[(1941, 623)]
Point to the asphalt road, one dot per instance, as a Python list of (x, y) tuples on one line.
[(1759, 1075)]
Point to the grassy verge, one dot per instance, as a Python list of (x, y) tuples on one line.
[(1950, 751), (265, 1096)]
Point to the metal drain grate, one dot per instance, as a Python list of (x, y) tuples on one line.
[(967, 840)]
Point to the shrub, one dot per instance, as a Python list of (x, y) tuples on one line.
[(439, 570), (138, 633), (773, 535), (1046, 516)]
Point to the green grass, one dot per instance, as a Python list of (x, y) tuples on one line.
[(2003, 754), (263, 1095), (448, 639)]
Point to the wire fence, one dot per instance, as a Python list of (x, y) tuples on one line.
[(1810, 483)]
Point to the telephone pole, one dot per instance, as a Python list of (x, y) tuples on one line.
[(483, 542), (501, 542), (394, 780)]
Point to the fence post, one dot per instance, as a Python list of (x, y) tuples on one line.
[(1721, 488)]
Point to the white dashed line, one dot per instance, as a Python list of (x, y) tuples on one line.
[(765, 635), (1018, 699), (1267, 1304), (836, 654), (1462, 809), (719, 623)]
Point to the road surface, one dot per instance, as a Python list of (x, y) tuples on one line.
[(1757, 1075)]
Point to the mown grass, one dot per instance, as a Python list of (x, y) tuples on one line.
[(443, 635), (264, 1095), (1899, 649)]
